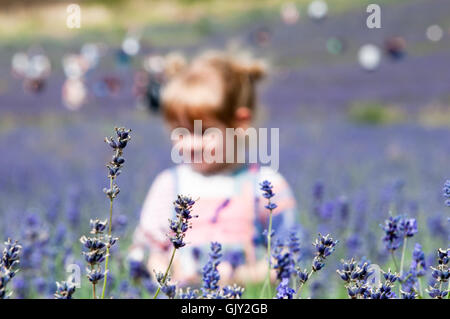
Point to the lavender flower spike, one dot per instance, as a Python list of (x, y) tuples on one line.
[(211, 275), (8, 263), (284, 291), (64, 290), (178, 228), (114, 169), (446, 192)]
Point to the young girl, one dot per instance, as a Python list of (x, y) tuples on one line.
[(220, 91)]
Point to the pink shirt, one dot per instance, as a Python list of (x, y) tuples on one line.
[(230, 209)]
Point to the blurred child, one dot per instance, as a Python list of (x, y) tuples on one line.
[(221, 91)]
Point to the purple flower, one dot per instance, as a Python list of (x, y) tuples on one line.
[(443, 256), (235, 258), (408, 227), (390, 277), (211, 275), (196, 253), (117, 161), (180, 225), (123, 136), (98, 226), (324, 245), (418, 263), (232, 292), (169, 290), (446, 192), (95, 275), (317, 264), (96, 250), (294, 246), (409, 295), (318, 191), (284, 291), (64, 290), (73, 211), (408, 281), (92, 243), (385, 291), (416, 270), (271, 206), (138, 270), (356, 276), (344, 208), (8, 263), (440, 275), (392, 238), (119, 223), (189, 294), (326, 210), (284, 265), (164, 283), (20, 286), (40, 285), (10, 257), (436, 293), (302, 276), (353, 242), (149, 285), (266, 187), (438, 226)]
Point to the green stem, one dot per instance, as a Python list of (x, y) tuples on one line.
[(267, 283), (420, 287), (448, 289), (395, 260), (263, 290), (180, 218), (109, 234), (269, 237), (94, 296), (166, 274), (405, 239), (295, 285), (297, 294)]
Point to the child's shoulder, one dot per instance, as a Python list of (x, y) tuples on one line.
[(166, 176), (269, 174)]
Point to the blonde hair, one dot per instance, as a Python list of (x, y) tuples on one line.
[(214, 84)]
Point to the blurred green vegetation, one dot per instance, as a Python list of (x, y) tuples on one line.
[(375, 113), (48, 18), (435, 115)]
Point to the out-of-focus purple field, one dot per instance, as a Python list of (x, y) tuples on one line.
[(377, 142)]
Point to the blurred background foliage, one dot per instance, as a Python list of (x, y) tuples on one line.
[(31, 18)]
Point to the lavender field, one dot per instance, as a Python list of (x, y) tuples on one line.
[(356, 146)]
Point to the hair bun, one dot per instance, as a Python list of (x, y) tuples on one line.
[(255, 69), (174, 63)]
